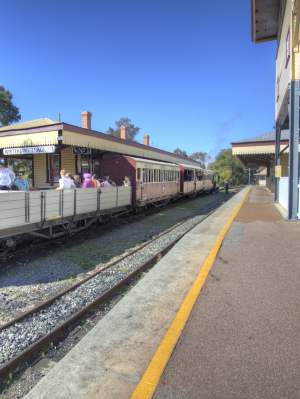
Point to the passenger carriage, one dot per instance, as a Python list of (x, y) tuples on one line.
[(43, 147), (195, 179), (151, 180)]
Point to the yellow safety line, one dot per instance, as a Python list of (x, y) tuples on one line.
[(148, 383)]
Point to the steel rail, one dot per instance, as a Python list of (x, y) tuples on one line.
[(91, 275), (61, 329)]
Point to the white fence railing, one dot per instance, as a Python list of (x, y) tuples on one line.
[(18, 208)]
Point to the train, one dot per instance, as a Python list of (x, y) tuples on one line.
[(53, 213)]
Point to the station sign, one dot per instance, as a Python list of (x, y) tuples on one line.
[(39, 149)]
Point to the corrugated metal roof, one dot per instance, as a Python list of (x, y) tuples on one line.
[(268, 136), (188, 166), (29, 124), (153, 162)]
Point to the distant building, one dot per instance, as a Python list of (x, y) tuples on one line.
[(43, 147)]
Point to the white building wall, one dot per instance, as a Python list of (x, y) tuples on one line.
[(283, 60)]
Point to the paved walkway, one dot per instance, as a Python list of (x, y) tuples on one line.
[(243, 337)]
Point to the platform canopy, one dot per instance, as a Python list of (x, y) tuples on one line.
[(259, 150), (265, 19), (46, 132)]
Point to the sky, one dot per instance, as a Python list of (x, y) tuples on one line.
[(185, 72)]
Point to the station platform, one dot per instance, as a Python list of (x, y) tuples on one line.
[(238, 339), (243, 337)]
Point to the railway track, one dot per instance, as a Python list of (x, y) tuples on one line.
[(22, 338)]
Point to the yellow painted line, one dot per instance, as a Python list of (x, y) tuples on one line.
[(148, 383)]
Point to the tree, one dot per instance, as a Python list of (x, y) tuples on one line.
[(201, 157), (132, 130), (8, 111), (228, 167), (180, 153)]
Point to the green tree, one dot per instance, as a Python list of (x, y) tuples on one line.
[(180, 153), (8, 111), (132, 130), (201, 157), (228, 167)]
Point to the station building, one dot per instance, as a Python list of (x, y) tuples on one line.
[(43, 147), (259, 152), (280, 20)]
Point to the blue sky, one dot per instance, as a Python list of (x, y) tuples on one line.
[(186, 72)]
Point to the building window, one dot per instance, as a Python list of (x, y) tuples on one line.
[(287, 48), (53, 168), (84, 164)]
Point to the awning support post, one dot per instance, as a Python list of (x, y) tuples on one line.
[(294, 149), (277, 159)]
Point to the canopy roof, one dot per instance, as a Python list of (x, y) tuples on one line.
[(28, 124), (264, 138), (48, 132), (260, 145), (265, 19)]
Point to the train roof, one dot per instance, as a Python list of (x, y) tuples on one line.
[(154, 162), (46, 131)]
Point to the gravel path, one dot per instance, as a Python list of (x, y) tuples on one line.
[(43, 272), (20, 335)]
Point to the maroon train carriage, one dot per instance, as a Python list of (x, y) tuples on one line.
[(152, 181), (194, 179)]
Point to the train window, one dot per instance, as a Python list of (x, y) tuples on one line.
[(138, 174), (144, 175), (188, 175), (149, 178)]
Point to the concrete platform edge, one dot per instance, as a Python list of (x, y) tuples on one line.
[(112, 358)]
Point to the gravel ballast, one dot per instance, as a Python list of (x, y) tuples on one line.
[(19, 336)]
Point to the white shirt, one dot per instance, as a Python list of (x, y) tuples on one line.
[(106, 184), (7, 177), (66, 182)]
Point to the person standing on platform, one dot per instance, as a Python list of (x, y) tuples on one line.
[(126, 182), (106, 182), (87, 182), (226, 186), (21, 182), (65, 180), (77, 181), (7, 176), (96, 183)]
